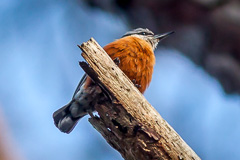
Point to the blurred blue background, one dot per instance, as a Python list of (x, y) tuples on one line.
[(39, 72)]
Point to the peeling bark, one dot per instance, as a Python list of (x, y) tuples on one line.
[(129, 123)]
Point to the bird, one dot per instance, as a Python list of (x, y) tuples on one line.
[(134, 53)]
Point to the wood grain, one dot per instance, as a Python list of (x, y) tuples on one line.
[(129, 123)]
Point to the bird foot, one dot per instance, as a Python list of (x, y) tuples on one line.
[(116, 61), (135, 83)]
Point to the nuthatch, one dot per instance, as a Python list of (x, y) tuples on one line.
[(135, 51)]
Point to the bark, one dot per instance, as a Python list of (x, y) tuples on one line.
[(128, 122)]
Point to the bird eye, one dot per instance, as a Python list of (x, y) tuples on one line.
[(145, 33)]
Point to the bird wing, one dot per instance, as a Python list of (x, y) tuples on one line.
[(83, 79)]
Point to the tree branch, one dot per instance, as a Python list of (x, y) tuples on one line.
[(129, 123)]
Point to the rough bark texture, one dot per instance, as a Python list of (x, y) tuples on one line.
[(129, 123)]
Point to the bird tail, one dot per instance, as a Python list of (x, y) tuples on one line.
[(64, 120)]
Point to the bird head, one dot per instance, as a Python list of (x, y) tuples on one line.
[(148, 36)]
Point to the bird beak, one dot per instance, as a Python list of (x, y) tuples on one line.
[(162, 36)]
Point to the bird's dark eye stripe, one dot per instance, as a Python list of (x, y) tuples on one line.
[(145, 33), (138, 33)]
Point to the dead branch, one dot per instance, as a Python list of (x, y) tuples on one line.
[(129, 123)]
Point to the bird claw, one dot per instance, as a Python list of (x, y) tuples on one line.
[(135, 83), (116, 61)]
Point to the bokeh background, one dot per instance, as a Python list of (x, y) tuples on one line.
[(195, 86)]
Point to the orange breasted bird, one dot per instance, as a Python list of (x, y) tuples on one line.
[(135, 52)]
